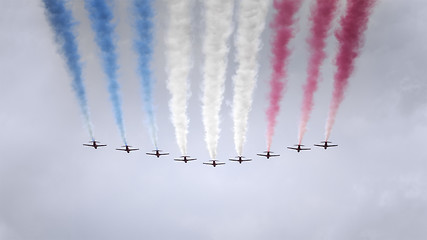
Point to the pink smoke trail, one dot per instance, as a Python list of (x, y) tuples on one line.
[(283, 33), (322, 14), (350, 38)]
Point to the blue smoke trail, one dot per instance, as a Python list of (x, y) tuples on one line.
[(101, 17), (62, 23), (143, 27)]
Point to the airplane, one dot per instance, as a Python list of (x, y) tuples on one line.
[(325, 145), (184, 159), (157, 153), (214, 163), (268, 154), (299, 148), (94, 144), (127, 149), (240, 159)]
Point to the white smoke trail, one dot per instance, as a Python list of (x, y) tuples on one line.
[(218, 28), (178, 63), (251, 22)]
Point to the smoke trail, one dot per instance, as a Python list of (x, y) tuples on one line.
[(62, 23), (143, 27), (283, 33), (101, 17), (218, 27), (350, 38), (178, 63), (251, 22), (322, 14)]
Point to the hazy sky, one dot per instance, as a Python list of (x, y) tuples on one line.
[(373, 186)]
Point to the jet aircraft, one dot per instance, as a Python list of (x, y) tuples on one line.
[(184, 159), (299, 148), (94, 144), (325, 144), (157, 153), (268, 154), (214, 163), (240, 159), (127, 148)]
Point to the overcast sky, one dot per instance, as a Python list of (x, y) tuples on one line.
[(373, 186)]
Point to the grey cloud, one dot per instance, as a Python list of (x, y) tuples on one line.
[(371, 187)]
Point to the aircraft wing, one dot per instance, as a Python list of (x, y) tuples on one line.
[(150, 153), (318, 145), (305, 149), (265, 155), (101, 145), (89, 145), (332, 145), (181, 159), (130, 149), (163, 154), (237, 160), (293, 148), (220, 163), (208, 163)]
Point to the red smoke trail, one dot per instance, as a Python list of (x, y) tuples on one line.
[(283, 33), (322, 14), (350, 38)]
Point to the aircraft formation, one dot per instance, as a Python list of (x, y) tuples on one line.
[(213, 162), (218, 28)]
